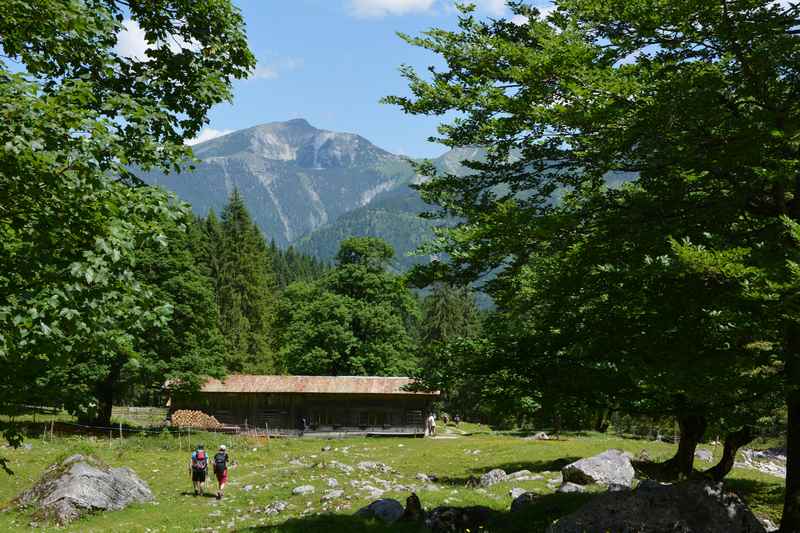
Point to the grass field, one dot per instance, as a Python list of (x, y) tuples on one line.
[(268, 471)]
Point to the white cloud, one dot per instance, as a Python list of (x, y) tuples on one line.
[(273, 69), (381, 8), (519, 20), (495, 8), (206, 134), (131, 42)]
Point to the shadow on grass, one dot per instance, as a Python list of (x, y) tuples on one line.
[(761, 497), (554, 465), (329, 523), (204, 495), (532, 519)]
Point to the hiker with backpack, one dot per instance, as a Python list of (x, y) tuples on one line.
[(221, 469), (198, 466)]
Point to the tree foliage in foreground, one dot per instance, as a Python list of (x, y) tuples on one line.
[(676, 290), (358, 319), (76, 116)]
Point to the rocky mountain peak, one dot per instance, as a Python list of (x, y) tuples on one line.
[(295, 140)]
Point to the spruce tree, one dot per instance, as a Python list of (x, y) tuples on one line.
[(245, 291)]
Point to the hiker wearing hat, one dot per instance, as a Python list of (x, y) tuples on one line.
[(198, 466), (221, 469)]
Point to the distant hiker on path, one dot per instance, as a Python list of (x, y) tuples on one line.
[(431, 425), (198, 466), (221, 469)]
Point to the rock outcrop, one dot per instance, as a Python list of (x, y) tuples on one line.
[(521, 501), (609, 467), (688, 507), (451, 519), (81, 485), (492, 477), (386, 510)]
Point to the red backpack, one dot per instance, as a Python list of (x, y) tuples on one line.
[(199, 461)]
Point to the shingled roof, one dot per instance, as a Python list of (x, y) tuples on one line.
[(242, 383)]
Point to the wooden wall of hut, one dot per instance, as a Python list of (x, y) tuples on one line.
[(322, 412)]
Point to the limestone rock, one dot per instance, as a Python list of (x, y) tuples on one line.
[(347, 469), (386, 510), (704, 455), (541, 435), (302, 489), (276, 507), (516, 492), (519, 475), (568, 487), (492, 477), (522, 500), (81, 485), (447, 519), (372, 465), (332, 495), (687, 507), (611, 466)]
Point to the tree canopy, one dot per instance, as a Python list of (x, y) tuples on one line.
[(77, 117), (638, 200), (358, 319)]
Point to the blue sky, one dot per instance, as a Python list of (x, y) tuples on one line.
[(330, 62)]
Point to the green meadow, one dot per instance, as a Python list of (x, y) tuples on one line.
[(267, 471)]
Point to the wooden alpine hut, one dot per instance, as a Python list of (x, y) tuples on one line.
[(317, 404)]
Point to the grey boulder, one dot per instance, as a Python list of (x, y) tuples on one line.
[(385, 509), (704, 455), (81, 485), (516, 492), (607, 468), (332, 495), (493, 476), (522, 501), (302, 489), (687, 507), (541, 435), (519, 475), (451, 519), (568, 487)]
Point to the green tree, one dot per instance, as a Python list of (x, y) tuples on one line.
[(695, 102), (245, 291), (191, 346), (290, 265), (76, 117), (449, 312), (358, 319)]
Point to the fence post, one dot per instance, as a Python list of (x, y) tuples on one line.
[(52, 423), (120, 430)]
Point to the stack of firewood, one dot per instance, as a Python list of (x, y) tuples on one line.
[(194, 419)]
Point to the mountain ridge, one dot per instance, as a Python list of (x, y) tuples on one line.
[(295, 178)]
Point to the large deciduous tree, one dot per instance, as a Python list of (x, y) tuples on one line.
[(358, 319), (77, 115), (681, 280)]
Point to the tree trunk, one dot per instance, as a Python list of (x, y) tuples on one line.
[(692, 429), (104, 392), (601, 421), (733, 441), (790, 523)]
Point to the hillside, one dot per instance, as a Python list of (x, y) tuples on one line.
[(294, 178)]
